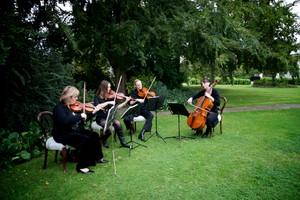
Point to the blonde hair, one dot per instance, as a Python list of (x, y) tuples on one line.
[(136, 80), (69, 91)]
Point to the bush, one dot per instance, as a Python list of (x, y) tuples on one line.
[(15, 147), (267, 82)]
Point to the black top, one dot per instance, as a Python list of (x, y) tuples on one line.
[(101, 114), (214, 94), (65, 121)]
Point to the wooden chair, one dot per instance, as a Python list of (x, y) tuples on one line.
[(45, 119), (220, 117)]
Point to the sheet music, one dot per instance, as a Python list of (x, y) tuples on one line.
[(131, 110), (110, 117)]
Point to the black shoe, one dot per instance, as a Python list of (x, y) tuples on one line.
[(198, 132), (141, 135), (123, 144), (88, 172), (205, 135), (105, 144), (102, 161)]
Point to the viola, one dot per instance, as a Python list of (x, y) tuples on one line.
[(144, 93), (78, 107), (197, 118)]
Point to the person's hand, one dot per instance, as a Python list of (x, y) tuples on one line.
[(97, 108), (83, 116), (190, 100), (209, 96), (127, 99), (111, 102)]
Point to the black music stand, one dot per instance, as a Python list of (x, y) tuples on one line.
[(178, 109), (154, 104), (110, 117), (130, 111)]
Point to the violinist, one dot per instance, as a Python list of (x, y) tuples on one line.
[(212, 116), (137, 97), (102, 98), (68, 129)]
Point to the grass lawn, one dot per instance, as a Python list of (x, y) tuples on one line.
[(256, 157)]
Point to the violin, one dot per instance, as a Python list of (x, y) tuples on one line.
[(78, 107), (197, 118), (144, 93), (112, 94)]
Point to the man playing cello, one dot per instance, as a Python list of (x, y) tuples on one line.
[(212, 115)]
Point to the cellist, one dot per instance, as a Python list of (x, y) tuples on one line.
[(212, 116)]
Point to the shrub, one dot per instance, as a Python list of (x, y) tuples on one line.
[(15, 147)]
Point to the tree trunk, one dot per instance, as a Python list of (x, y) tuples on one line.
[(118, 71)]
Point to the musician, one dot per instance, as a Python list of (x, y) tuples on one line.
[(135, 99), (68, 129), (212, 116), (101, 98)]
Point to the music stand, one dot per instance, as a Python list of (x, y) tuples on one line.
[(110, 117), (130, 111), (179, 109), (154, 104)]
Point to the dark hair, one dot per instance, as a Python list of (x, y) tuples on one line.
[(205, 80)]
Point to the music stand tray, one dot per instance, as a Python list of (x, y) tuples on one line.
[(178, 109), (132, 110), (154, 104)]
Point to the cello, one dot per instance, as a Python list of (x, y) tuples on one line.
[(197, 118)]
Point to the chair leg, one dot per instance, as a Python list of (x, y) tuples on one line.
[(221, 126), (55, 158), (64, 157), (45, 158)]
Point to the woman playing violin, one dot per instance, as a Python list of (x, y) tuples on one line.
[(139, 97), (102, 98), (213, 95), (68, 129)]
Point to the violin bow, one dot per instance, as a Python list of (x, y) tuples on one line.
[(83, 106), (118, 88), (149, 87), (113, 151)]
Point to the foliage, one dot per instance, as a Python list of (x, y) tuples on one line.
[(15, 147), (44, 48), (265, 82)]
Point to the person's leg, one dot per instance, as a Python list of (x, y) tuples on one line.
[(211, 121), (84, 146), (119, 130), (106, 134), (148, 124)]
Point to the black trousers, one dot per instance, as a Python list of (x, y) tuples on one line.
[(88, 146), (146, 114), (211, 121)]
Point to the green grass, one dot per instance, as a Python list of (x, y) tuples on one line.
[(256, 157), (246, 95)]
